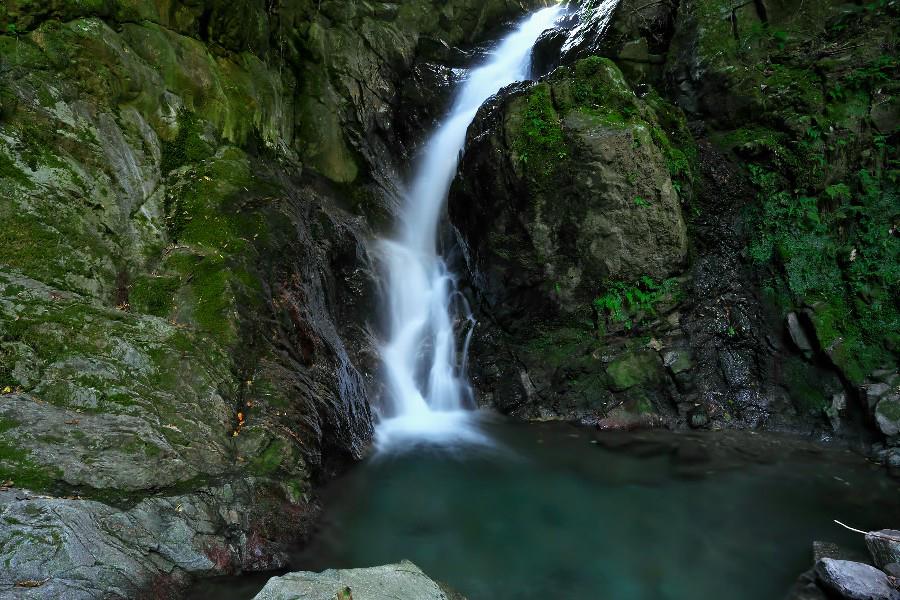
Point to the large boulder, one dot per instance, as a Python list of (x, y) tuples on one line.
[(401, 581), (570, 190), (565, 184), (854, 581)]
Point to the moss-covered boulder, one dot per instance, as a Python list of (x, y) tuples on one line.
[(566, 184), (568, 203)]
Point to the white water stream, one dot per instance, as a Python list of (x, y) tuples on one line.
[(428, 392)]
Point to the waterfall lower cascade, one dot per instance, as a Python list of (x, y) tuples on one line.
[(428, 392)]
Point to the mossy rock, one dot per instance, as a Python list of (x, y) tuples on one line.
[(638, 368), (887, 415)]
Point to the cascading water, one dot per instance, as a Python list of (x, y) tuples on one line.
[(427, 386)]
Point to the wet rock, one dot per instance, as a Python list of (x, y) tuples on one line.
[(884, 546), (887, 415), (634, 369), (401, 581), (885, 113), (837, 409), (564, 185), (806, 588), (698, 418), (873, 392), (84, 549), (854, 581), (798, 334), (634, 33)]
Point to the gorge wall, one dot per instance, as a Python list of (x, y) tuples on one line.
[(692, 222), (188, 189)]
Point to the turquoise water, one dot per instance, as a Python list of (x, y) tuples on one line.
[(557, 512)]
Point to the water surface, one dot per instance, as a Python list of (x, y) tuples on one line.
[(553, 511)]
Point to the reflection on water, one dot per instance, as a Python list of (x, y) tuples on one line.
[(552, 511)]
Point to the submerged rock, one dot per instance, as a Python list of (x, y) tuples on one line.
[(854, 581), (401, 581)]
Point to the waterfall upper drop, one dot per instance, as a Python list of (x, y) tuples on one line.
[(428, 391)]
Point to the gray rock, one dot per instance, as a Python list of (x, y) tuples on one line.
[(884, 546), (893, 570), (873, 392), (401, 581), (885, 114), (798, 335), (854, 581), (887, 415), (86, 549)]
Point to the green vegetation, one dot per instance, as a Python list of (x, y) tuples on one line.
[(540, 144), (270, 459), (830, 233), (188, 145), (804, 383), (628, 303), (154, 294), (16, 466), (9, 170)]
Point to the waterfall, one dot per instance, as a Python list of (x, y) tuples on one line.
[(427, 389)]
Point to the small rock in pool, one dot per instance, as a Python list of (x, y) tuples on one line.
[(854, 581)]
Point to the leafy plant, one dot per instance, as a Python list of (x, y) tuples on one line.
[(623, 302)]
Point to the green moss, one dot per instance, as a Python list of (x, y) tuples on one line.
[(561, 346), (154, 294), (213, 297), (803, 383), (539, 144), (270, 460), (595, 87), (9, 170), (889, 409), (633, 369), (188, 145), (16, 466)]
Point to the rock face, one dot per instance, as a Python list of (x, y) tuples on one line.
[(854, 581), (565, 185), (188, 189), (780, 319), (567, 181), (401, 581)]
